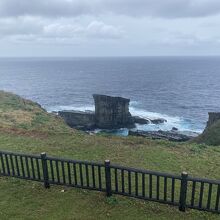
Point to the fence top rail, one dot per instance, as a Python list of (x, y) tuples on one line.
[(203, 180), (156, 173), (76, 161), (20, 154)]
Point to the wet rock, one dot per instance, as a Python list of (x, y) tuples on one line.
[(158, 121), (166, 135), (140, 120), (174, 129)]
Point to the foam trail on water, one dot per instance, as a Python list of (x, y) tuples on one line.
[(70, 108)]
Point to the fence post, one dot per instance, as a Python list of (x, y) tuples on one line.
[(45, 169), (183, 191), (108, 178)]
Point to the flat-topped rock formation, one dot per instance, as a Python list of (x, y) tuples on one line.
[(112, 112)]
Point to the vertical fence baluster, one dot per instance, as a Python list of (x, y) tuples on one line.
[(2, 162), (93, 176), (51, 170), (12, 165), (69, 173), (63, 172), (108, 178), (201, 194), (209, 196), (129, 182), (32, 168), (22, 166), (100, 177), (143, 184), (45, 170), (193, 193), (75, 174), (173, 191), (27, 167), (17, 166), (158, 187), (183, 191), (217, 198), (136, 183), (122, 181), (150, 186), (38, 169), (7, 164), (57, 171), (165, 189), (81, 174), (87, 175), (116, 179)]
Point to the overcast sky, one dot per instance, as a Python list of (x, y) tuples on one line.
[(109, 27)]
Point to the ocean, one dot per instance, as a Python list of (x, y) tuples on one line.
[(180, 89)]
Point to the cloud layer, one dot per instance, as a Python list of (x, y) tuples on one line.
[(141, 27), (72, 8)]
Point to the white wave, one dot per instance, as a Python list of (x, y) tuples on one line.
[(171, 121), (70, 108)]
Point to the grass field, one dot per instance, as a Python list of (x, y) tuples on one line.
[(25, 127)]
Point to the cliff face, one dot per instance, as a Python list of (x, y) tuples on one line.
[(211, 134), (213, 118), (112, 112)]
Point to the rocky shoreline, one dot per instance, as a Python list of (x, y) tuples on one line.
[(113, 113)]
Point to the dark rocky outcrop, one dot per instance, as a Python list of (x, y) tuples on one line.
[(166, 135), (140, 120), (112, 112), (213, 118), (211, 134), (158, 121), (79, 119)]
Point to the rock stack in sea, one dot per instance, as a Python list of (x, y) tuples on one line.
[(112, 112)]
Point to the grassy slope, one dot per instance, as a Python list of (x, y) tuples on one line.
[(23, 130)]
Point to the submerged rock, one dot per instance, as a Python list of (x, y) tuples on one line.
[(158, 121)]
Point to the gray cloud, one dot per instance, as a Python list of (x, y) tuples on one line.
[(72, 8), (32, 29)]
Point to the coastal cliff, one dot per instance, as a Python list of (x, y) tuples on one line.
[(211, 134)]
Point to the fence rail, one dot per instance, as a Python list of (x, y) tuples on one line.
[(182, 191)]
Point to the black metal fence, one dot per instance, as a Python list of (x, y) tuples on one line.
[(182, 191)]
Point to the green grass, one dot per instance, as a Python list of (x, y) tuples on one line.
[(43, 132)]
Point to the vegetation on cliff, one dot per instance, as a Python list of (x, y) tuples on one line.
[(26, 127), (211, 135)]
